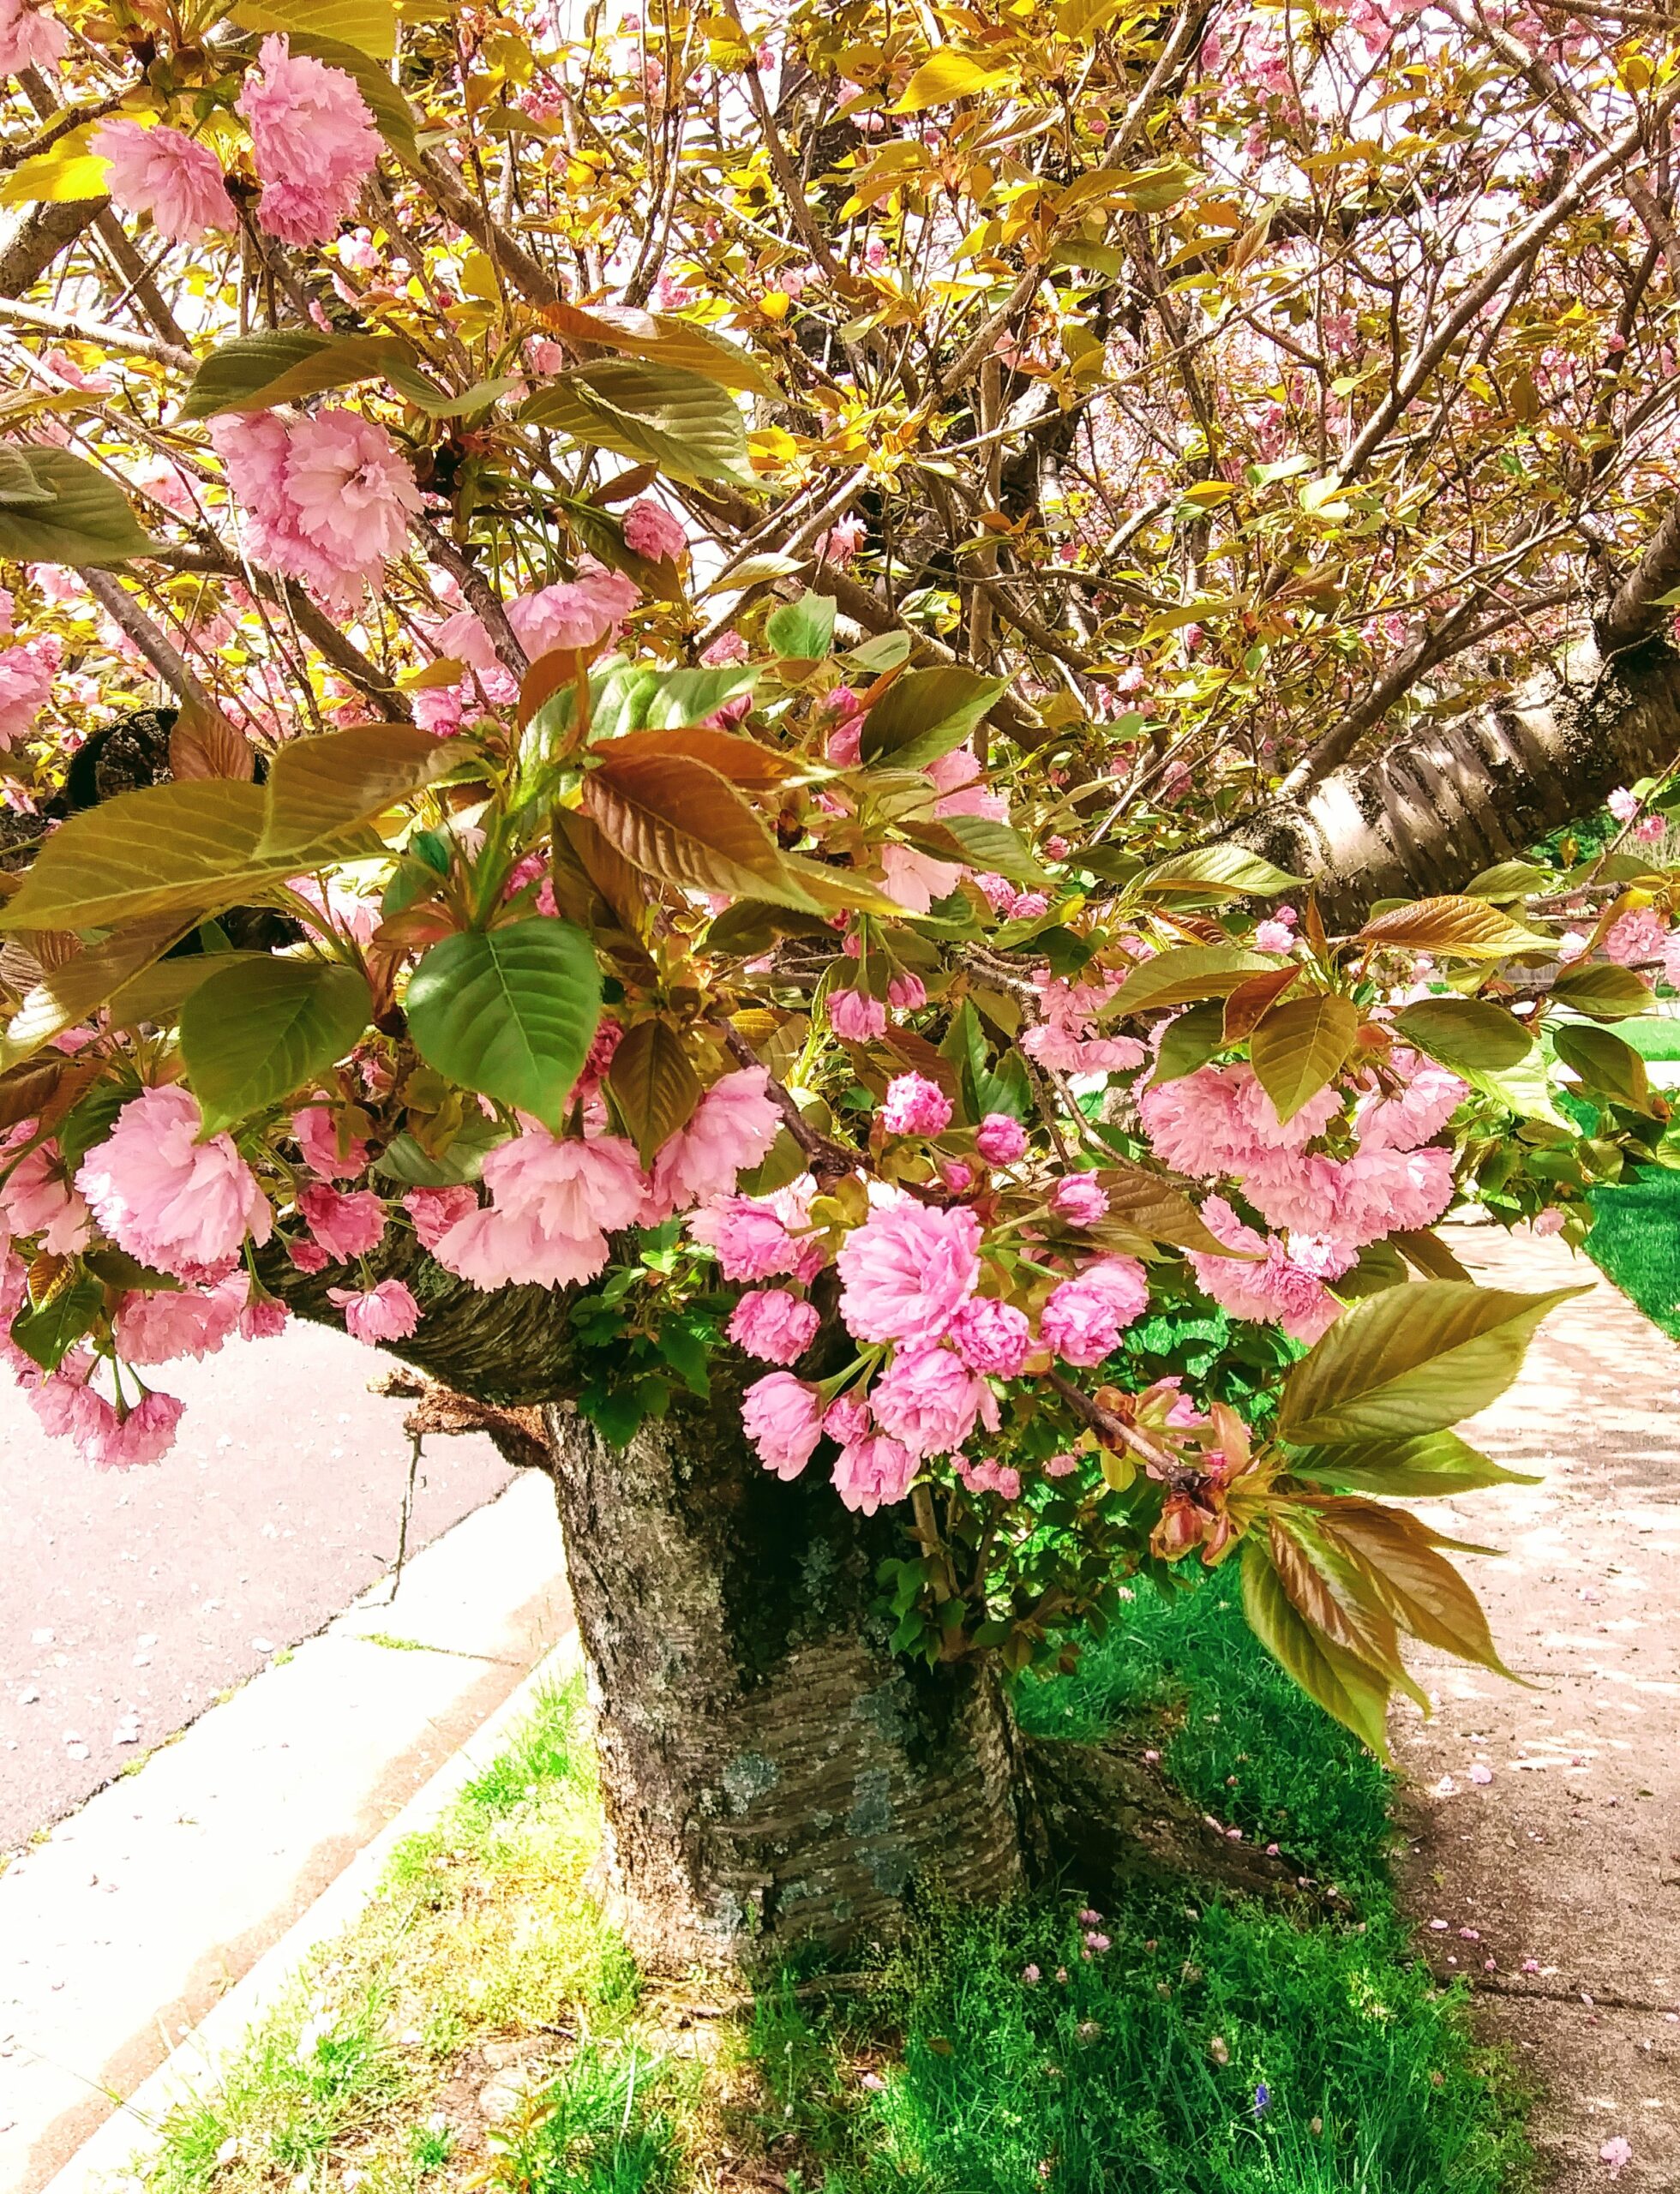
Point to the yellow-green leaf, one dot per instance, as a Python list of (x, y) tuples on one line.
[(78, 515), (67, 993), (1413, 1360), (254, 372), (371, 26), (684, 422), (170, 846), (947, 77), (1299, 1046), (653, 1085), (1185, 973), (322, 786), (52, 178), (1454, 926), (260, 1030)]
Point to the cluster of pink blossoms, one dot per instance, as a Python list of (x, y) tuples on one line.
[(578, 612), (1063, 1037), (313, 139), (910, 1292), (327, 498), (163, 172), (1219, 1125), (25, 684)]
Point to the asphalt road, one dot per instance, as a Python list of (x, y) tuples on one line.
[(130, 1599)]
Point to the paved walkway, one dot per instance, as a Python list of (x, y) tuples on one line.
[(131, 1598), (1546, 1823), (126, 1925)]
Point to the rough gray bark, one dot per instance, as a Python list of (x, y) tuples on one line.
[(770, 1770), (1437, 808), (37, 234)]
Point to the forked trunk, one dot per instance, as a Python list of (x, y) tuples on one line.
[(770, 1772)]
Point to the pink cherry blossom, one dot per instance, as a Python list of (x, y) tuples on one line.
[(1277, 1290), (1640, 935), (30, 37), (1062, 1465), (157, 1326), (915, 1105), (435, 1211), (907, 993), (181, 1205), (570, 1184), (314, 142), (387, 1312), (1273, 936), (916, 879), (856, 1017), (907, 1271), (35, 1198), (1001, 1140), (490, 1249), (875, 1471), (748, 1237), (328, 1149), (572, 612), (165, 174), (1622, 804), (992, 1337), (1616, 2153), (1552, 1220), (145, 1434), (351, 488), (782, 1418), (26, 687), (731, 1130), (772, 1324), (344, 1225), (930, 1400), (1083, 1318), (1079, 1199), (651, 531)]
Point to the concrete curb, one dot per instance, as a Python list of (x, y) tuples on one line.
[(193, 2067)]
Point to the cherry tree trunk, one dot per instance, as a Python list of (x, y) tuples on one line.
[(771, 1771)]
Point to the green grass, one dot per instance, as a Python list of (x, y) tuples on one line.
[(1636, 1243), (953, 2069), (1212, 2049)]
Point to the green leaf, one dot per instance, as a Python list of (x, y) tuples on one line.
[(685, 424), (1230, 871), (1300, 1048), (665, 340), (1190, 1042), (22, 487), (320, 788), (1509, 879), (46, 1336), (1607, 1066), (1603, 991), (369, 25), (405, 1158), (653, 1085), (632, 697), (1354, 1694), (802, 630), (168, 848), (84, 519), (1411, 1359), (1405, 1469), (1185, 972), (1465, 1033), (509, 1012), (924, 714), (982, 842), (254, 372), (257, 1032)]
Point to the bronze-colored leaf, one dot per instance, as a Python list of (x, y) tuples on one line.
[(677, 819), (204, 744), (1420, 1588), (652, 1085), (1350, 1689), (1245, 1004), (1332, 1594), (1460, 927), (743, 761)]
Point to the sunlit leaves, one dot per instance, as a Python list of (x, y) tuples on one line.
[(924, 714), (1455, 927), (1411, 1359), (1464, 1033), (1185, 973), (679, 820), (1346, 1687), (283, 366), (685, 423)]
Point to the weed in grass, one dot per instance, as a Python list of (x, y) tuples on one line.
[(600, 2127)]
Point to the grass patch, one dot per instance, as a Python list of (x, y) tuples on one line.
[(1636, 1243), (480, 2026)]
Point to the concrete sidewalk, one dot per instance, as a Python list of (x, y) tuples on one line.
[(120, 1932)]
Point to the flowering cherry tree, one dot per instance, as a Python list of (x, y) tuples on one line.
[(849, 775)]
